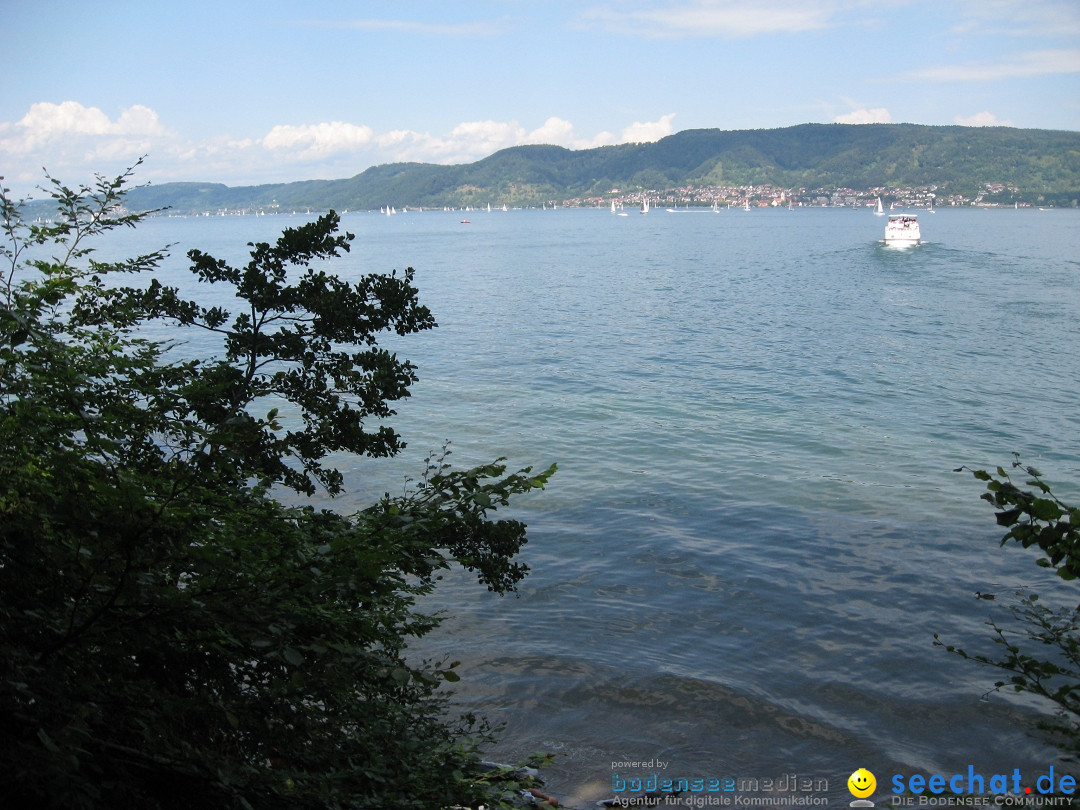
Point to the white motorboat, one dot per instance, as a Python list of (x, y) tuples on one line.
[(902, 230)]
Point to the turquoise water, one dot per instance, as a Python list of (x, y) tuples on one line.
[(755, 531)]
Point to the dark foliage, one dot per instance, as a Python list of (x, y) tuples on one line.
[(171, 634)]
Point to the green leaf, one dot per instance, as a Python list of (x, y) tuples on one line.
[(1045, 509), (47, 741), (1009, 517)]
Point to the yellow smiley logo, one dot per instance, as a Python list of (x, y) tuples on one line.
[(861, 783)]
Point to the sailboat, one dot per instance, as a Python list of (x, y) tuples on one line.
[(880, 210), (644, 205), (746, 205)]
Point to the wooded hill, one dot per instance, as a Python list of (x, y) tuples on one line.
[(1039, 165)]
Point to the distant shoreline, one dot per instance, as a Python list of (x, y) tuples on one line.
[(899, 162)]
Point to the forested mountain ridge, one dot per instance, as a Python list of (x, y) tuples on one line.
[(1034, 165)]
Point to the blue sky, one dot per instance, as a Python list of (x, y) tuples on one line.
[(245, 93)]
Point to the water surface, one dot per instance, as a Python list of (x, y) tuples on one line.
[(755, 531)]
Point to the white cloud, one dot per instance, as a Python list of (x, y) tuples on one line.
[(649, 131), (1022, 66), (318, 140), (486, 137), (467, 142), (1021, 18), (70, 121), (878, 115), (560, 132), (71, 139), (554, 130), (139, 120), (982, 119), (473, 140), (45, 121), (731, 19)]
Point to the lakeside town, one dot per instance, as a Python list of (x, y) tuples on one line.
[(990, 195)]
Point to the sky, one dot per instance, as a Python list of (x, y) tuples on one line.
[(244, 93)]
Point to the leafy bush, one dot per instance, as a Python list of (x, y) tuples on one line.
[(1042, 653), (173, 634)]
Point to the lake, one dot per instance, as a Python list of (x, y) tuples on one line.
[(755, 530)]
